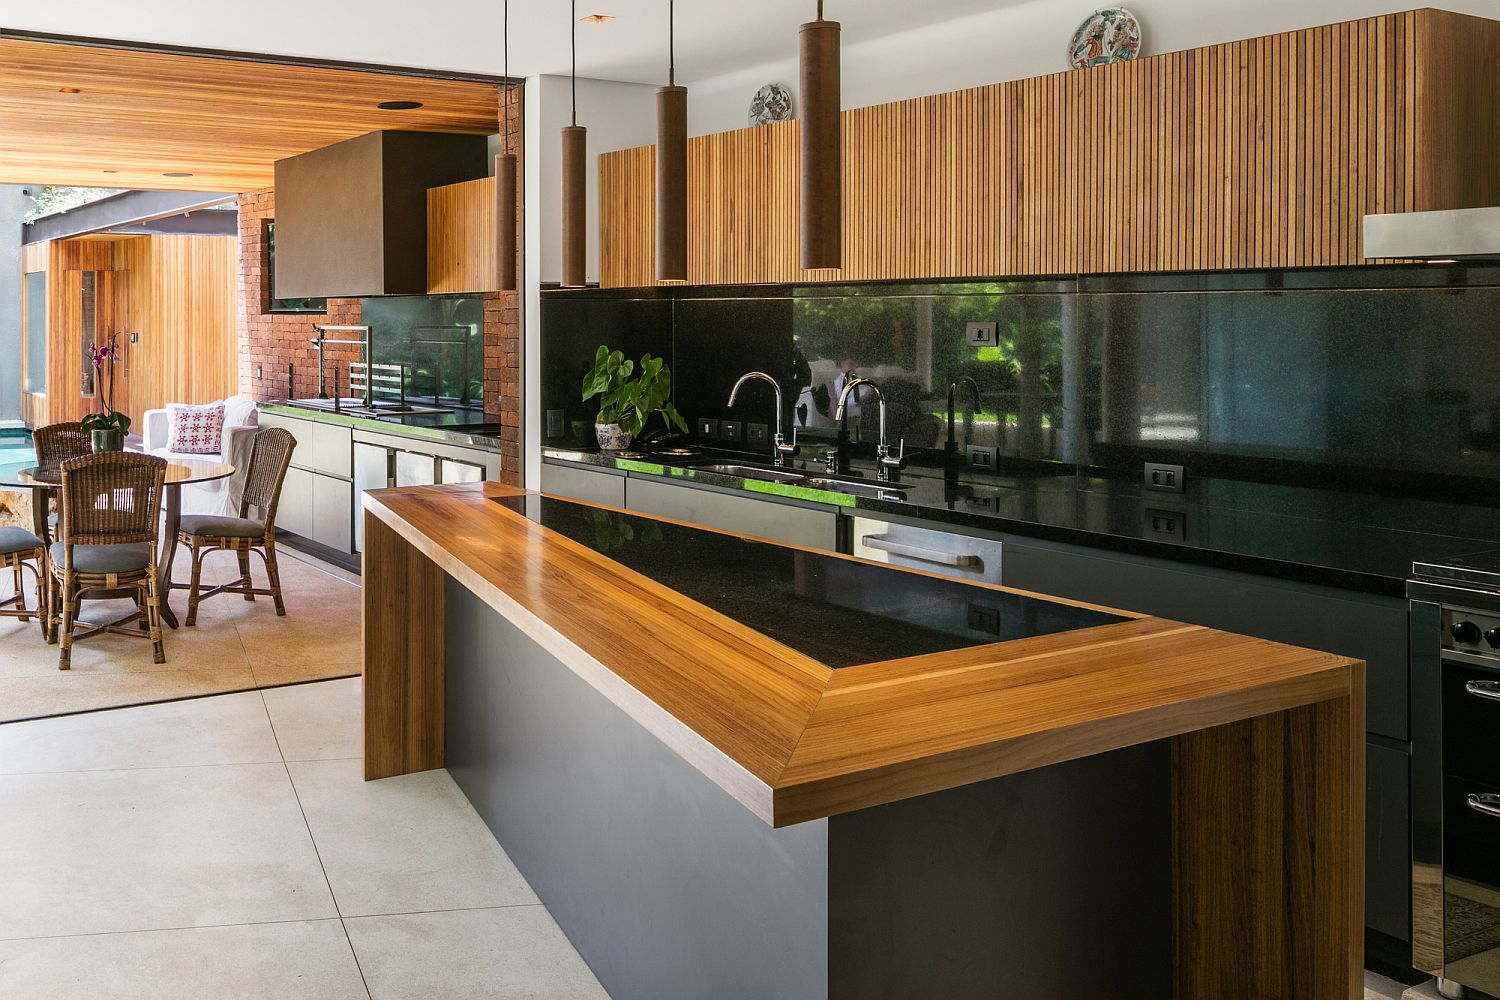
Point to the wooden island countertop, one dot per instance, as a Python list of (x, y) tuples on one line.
[(1267, 751)]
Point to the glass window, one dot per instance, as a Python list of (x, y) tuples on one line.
[(286, 305), (88, 311), (36, 332)]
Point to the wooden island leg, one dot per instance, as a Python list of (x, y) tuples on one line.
[(1268, 843), (403, 655)]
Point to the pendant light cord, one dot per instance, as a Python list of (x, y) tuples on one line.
[(575, 62), (505, 125), (671, 43), (820, 10)]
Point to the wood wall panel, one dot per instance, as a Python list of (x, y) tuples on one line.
[(461, 238), (1264, 153), (190, 340)]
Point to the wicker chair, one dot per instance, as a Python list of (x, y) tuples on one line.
[(20, 550), (110, 525), (270, 454), (56, 443)]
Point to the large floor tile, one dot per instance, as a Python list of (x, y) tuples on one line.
[(316, 721), (303, 960), (403, 844), (504, 954), (233, 729), (90, 851)]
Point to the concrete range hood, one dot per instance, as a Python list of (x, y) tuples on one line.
[(351, 218), (1456, 234)]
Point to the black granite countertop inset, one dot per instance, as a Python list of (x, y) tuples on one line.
[(1346, 540), (465, 428), (836, 611)]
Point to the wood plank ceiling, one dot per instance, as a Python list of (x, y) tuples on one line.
[(137, 117)]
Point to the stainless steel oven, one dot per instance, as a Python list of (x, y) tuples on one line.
[(1455, 616)]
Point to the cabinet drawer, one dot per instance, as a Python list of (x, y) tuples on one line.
[(294, 511), (415, 470), (583, 484), (1471, 720), (333, 513), (963, 557), (302, 430), (333, 450), (775, 521), (455, 471), (1387, 841)]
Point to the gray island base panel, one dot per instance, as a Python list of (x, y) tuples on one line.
[(1048, 884)]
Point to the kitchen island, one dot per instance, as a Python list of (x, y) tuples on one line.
[(733, 768)]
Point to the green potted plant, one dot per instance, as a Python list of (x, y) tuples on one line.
[(626, 404), (108, 427)]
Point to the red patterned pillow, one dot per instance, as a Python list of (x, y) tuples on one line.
[(195, 430)]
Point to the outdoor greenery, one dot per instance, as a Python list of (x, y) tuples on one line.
[(53, 199)]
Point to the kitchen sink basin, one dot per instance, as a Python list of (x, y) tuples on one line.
[(752, 472), (875, 490)]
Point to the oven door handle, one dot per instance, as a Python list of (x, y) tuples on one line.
[(1487, 803), (1488, 690)]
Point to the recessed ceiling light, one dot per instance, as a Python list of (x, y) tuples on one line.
[(597, 18), (177, 173), (67, 90), (399, 105)]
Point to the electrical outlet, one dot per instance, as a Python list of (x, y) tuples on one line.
[(708, 428), (1166, 524), (982, 334), (1165, 478), (731, 430), (555, 423), (757, 434), (981, 457), (983, 618)]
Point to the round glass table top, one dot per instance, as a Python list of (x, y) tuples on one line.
[(180, 471)]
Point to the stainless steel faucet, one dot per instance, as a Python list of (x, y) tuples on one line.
[(782, 451), (886, 464)]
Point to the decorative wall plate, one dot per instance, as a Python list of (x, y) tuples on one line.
[(1110, 35), (772, 103)]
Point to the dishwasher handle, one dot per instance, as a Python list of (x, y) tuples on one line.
[(961, 560), (1488, 690)]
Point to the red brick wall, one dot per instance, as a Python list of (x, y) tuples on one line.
[(271, 341)]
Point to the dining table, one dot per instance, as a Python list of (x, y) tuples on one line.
[(43, 481)]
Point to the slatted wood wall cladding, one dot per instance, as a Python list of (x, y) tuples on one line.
[(1264, 153)]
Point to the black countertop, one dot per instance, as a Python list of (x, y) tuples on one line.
[(838, 612), (466, 428), (1345, 540)]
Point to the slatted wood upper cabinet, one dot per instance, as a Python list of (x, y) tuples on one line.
[(1264, 153)]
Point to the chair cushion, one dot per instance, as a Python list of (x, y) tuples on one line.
[(105, 558), (210, 526), (195, 430), (17, 540)]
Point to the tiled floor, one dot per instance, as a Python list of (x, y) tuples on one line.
[(227, 848)]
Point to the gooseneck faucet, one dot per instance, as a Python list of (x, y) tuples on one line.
[(886, 464), (782, 451), (969, 414)]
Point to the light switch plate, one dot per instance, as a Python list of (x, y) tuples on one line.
[(555, 422), (731, 430), (757, 434), (982, 334), (708, 428)]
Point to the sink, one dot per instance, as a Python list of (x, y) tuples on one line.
[(873, 490), (752, 472)]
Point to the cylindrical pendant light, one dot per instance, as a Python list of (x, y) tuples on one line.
[(574, 187), (506, 248), (822, 146), (671, 167)]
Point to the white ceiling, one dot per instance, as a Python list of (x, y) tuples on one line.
[(713, 36)]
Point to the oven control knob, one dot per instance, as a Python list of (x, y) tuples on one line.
[(1465, 632), (1492, 636)]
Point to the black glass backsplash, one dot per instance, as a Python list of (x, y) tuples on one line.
[(1378, 380), (837, 611)]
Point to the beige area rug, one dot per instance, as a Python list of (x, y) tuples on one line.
[(237, 645)]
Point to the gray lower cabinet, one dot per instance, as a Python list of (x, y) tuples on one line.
[(415, 470), (589, 485), (294, 512), (780, 522), (1372, 628)]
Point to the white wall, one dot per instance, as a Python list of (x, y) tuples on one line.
[(1021, 41), (618, 116)]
